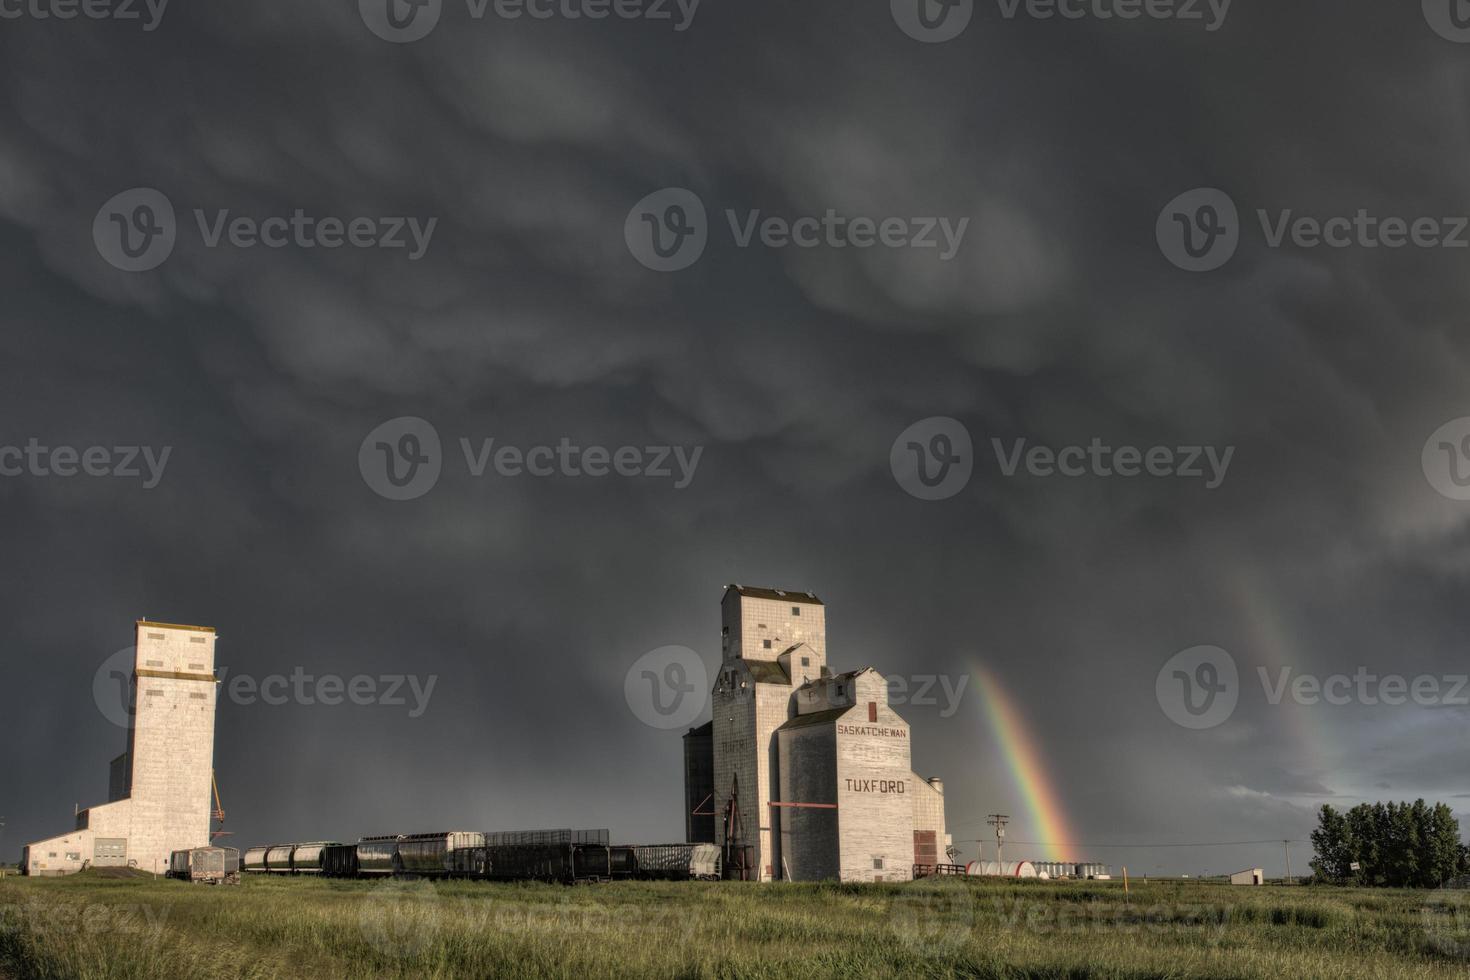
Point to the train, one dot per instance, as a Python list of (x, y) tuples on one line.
[(566, 857), (209, 865)]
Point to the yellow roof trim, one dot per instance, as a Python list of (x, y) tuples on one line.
[(176, 626), (175, 675)]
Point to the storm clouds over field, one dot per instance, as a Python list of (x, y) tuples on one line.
[(506, 156)]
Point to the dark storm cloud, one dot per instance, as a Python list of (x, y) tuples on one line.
[(527, 320)]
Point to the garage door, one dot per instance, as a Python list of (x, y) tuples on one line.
[(110, 852)]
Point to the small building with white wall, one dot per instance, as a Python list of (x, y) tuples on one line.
[(159, 789), (1250, 876)]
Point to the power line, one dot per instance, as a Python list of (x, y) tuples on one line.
[(999, 821)]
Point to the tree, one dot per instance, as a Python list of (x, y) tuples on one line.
[(1333, 846), (1395, 845)]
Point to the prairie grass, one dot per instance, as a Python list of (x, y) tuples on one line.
[(89, 928)]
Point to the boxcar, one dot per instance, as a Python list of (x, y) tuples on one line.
[(213, 865)]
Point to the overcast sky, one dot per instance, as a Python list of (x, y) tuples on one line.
[(527, 313)]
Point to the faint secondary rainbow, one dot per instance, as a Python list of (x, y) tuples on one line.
[(1308, 746), (1028, 772)]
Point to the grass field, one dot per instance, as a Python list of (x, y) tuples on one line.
[(86, 927)]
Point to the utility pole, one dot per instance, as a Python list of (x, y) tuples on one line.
[(1286, 848), (998, 821)]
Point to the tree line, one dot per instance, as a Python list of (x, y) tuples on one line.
[(1389, 845)]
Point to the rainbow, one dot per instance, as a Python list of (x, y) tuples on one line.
[(1310, 743), (1024, 760)]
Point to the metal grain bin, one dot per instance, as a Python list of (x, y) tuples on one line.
[(278, 859), (1001, 869)]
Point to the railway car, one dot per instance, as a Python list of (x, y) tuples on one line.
[(434, 854), (497, 837), (306, 859), (677, 862), (565, 863), (622, 862), (254, 859), (468, 862), (211, 865), (339, 860), (378, 856), (278, 859), (591, 862)]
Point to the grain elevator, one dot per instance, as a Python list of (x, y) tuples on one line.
[(812, 775)]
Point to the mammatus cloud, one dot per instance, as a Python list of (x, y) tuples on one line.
[(527, 320)]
